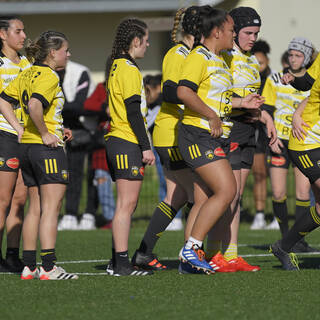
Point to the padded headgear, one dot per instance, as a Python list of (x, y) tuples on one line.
[(244, 17), (303, 45)]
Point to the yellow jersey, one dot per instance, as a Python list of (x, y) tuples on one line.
[(207, 74), (166, 124), (314, 69), (8, 72), (311, 116), (244, 68), (285, 99), (40, 82), (125, 84)]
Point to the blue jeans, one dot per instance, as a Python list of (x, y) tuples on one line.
[(105, 193)]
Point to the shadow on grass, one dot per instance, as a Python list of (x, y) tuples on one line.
[(171, 264)]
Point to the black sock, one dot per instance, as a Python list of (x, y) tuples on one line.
[(302, 227), (30, 258), (48, 257), (187, 210), (281, 213), (12, 252), (122, 259), (113, 257), (161, 218), (302, 208)]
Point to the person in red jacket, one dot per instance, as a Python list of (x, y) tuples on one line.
[(97, 103)]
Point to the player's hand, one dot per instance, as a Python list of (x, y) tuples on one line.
[(50, 140), (67, 134), (277, 146), (215, 126), (252, 101), (287, 78), (20, 131), (148, 157), (271, 132), (298, 131)]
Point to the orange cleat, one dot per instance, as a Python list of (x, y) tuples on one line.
[(220, 264), (241, 265)]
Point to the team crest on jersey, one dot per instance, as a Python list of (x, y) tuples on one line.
[(1, 162), (135, 171), (209, 154), (219, 152), (278, 161), (234, 146), (13, 163), (65, 175)]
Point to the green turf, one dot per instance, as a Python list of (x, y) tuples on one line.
[(269, 294)]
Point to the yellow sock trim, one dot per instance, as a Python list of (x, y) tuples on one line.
[(231, 252), (303, 203), (314, 215), (280, 200), (166, 210)]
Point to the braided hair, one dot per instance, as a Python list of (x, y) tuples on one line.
[(191, 22), (5, 24), (39, 49), (127, 30)]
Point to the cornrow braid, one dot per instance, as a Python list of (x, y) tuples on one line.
[(127, 30), (176, 24)]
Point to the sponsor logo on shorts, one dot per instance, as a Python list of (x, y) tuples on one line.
[(135, 171), (1, 162), (65, 175), (219, 152), (318, 163), (209, 154), (234, 146), (278, 161), (13, 163), (141, 170)]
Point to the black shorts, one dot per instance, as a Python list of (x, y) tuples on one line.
[(282, 160), (308, 162), (261, 138), (124, 159), (198, 147), (43, 165), (9, 152), (171, 158), (243, 144)]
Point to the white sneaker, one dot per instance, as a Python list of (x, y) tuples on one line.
[(87, 222), (274, 225), (259, 222), (175, 225), (27, 274), (68, 222), (57, 273)]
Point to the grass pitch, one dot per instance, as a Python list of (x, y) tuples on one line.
[(268, 294)]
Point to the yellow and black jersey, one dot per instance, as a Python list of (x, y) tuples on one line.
[(125, 85), (165, 129), (285, 99), (245, 73), (314, 70), (8, 72), (209, 76), (311, 115), (40, 82)]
